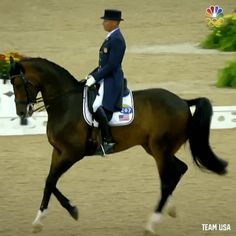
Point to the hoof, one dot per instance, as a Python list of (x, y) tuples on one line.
[(149, 233), (152, 224), (172, 211), (74, 212), (37, 223), (223, 172), (37, 227)]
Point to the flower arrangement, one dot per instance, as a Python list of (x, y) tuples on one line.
[(224, 36), (5, 62)]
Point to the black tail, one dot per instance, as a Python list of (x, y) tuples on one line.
[(199, 133)]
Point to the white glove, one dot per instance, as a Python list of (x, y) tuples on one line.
[(90, 80)]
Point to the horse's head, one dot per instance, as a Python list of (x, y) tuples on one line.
[(25, 92), (31, 75)]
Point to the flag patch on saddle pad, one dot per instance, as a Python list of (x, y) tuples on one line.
[(123, 117)]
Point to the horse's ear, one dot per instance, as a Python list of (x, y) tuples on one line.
[(12, 62), (12, 66), (15, 67)]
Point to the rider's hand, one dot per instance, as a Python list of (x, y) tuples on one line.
[(90, 80)]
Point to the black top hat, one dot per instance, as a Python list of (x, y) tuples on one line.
[(112, 15)]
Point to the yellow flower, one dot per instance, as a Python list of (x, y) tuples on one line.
[(233, 16)]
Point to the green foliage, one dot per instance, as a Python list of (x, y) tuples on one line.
[(4, 68), (227, 76), (222, 37)]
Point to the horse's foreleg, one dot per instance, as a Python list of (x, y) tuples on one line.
[(60, 164), (42, 212)]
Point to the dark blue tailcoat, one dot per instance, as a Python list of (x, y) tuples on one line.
[(111, 55)]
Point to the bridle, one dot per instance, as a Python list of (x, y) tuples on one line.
[(30, 92)]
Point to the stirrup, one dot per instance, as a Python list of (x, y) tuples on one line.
[(105, 148)]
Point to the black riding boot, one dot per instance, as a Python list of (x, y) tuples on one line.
[(107, 142)]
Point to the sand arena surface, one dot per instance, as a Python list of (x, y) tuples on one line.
[(116, 195)]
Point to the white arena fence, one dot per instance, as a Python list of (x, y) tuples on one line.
[(224, 117), (10, 123)]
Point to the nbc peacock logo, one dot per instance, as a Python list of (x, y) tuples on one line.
[(214, 16)]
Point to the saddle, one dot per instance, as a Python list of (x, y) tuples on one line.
[(120, 118)]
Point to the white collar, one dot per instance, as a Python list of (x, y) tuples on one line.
[(110, 33)]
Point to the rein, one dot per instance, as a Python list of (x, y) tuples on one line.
[(51, 101)]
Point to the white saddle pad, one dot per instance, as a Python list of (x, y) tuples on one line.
[(120, 118)]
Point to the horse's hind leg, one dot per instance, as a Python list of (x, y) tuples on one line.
[(170, 170), (61, 162), (182, 168), (73, 211)]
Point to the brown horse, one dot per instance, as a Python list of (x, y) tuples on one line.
[(162, 123)]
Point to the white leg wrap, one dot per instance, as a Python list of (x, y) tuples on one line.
[(37, 223), (154, 219)]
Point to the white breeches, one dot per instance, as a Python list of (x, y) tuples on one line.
[(98, 100)]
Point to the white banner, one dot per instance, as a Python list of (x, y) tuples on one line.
[(224, 117)]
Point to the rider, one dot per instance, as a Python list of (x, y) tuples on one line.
[(109, 76)]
